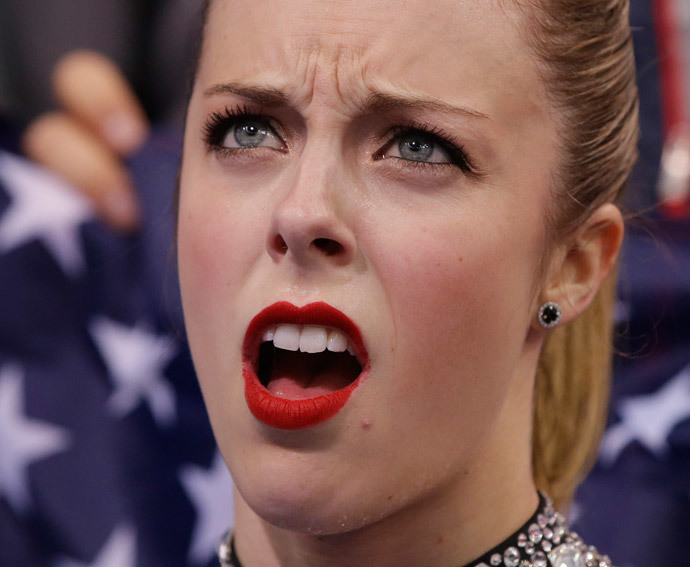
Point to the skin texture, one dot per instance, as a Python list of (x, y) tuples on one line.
[(439, 268)]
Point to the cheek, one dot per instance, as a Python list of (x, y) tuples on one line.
[(206, 253), (460, 295), (216, 251)]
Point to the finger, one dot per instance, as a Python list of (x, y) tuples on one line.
[(93, 89), (71, 150)]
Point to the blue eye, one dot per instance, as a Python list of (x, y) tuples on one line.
[(424, 148), (420, 148), (239, 129), (251, 133)]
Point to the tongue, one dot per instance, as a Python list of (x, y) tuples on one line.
[(293, 388), (296, 377)]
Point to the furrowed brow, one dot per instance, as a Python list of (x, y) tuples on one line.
[(389, 102), (374, 102), (265, 96)]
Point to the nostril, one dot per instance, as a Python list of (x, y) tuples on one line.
[(279, 244), (327, 246)]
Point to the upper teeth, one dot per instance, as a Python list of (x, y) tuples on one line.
[(307, 338)]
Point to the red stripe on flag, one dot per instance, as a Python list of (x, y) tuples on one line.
[(669, 47)]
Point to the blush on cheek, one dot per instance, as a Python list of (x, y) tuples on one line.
[(465, 292), (213, 246), (209, 275), (439, 284)]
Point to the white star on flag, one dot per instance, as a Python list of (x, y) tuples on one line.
[(22, 441), (135, 358), (649, 419), (118, 551), (211, 493), (43, 207)]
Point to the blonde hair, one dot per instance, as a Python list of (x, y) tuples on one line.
[(585, 52)]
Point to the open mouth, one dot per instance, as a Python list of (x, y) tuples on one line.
[(301, 364)]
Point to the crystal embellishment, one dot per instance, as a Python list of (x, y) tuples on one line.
[(566, 555), (539, 559), (534, 533), (511, 557), (224, 549), (547, 542)]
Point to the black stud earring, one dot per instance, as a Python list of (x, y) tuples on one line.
[(549, 314)]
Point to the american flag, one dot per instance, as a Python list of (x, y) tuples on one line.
[(106, 454), (672, 24)]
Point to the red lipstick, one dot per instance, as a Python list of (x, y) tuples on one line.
[(286, 413)]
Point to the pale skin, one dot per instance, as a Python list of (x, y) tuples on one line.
[(429, 462)]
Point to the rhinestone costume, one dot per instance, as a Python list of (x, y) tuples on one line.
[(543, 541)]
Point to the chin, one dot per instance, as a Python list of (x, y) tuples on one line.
[(314, 521), (314, 504), (306, 512)]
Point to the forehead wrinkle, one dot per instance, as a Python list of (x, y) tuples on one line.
[(374, 102), (347, 67), (329, 68)]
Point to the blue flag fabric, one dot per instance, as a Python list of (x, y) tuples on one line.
[(106, 454), (635, 504)]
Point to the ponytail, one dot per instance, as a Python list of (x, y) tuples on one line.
[(571, 397)]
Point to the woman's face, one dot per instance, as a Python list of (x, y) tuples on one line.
[(392, 160)]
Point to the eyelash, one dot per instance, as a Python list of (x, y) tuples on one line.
[(218, 125), (459, 157)]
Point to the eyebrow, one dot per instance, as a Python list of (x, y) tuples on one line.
[(266, 96), (374, 102), (388, 102)]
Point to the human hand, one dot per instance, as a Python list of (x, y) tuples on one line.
[(99, 122)]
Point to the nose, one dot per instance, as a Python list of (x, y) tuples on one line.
[(308, 223)]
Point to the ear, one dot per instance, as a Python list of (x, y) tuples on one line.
[(584, 261)]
